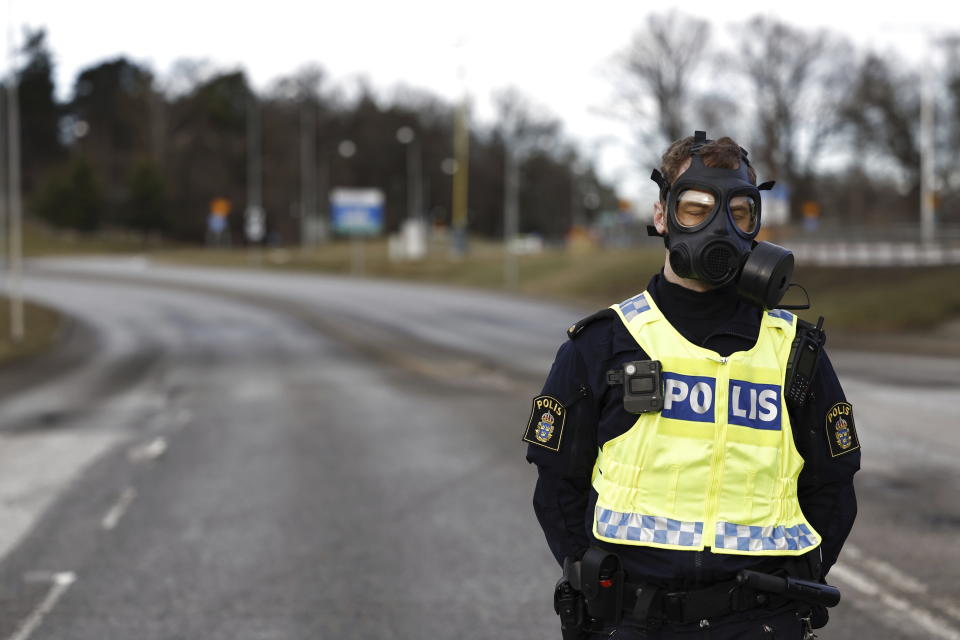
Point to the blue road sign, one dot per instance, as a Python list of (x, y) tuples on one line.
[(357, 212)]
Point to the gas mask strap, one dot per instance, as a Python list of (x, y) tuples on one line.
[(796, 307), (766, 186), (657, 177), (699, 142)]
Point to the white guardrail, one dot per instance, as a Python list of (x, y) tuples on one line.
[(873, 254)]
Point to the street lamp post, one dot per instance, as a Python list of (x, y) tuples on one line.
[(254, 217), (308, 174), (407, 137), (13, 194), (511, 214), (346, 149), (927, 157), (461, 153), (4, 202)]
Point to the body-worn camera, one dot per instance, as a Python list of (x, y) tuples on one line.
[(642, 382)]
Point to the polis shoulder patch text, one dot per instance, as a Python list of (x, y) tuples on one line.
[(841, 434), (545, 427)]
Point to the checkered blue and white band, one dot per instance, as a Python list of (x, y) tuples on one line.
[(636, 527), (634, 306), (743, 537)]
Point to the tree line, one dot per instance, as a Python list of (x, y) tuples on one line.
[(840, 125), (130, 150)]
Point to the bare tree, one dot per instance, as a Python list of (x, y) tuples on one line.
[(883, 113), (524, 131), (656, 71), (799, 81), (949, 142), (716, 110)]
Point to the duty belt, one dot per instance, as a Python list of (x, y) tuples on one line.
[(643, 602), (595, 588)]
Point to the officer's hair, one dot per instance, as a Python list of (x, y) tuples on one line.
[(723, 154)]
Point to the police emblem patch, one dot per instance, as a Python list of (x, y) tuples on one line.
[(841, 433), (545, 426)]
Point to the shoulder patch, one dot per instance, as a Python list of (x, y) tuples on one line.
[(545, 426), (575, 330), (841, 433)]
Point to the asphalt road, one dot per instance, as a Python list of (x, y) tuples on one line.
[(232, 454)]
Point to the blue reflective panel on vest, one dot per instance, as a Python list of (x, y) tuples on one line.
[(780, 313), (688, 397), (634, 306), (754, 405)]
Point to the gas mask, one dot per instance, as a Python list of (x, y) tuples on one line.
[(713, 217)]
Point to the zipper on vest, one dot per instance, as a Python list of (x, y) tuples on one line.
[(720, 417)]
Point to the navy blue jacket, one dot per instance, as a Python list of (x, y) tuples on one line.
[(723, 322)]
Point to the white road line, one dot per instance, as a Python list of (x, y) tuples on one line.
[(948, 608), (935, 626), (885, 570), (903, 581), (61, 582), (148, 451), (112, 517)]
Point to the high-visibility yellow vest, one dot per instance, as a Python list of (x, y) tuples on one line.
[(717, 467)]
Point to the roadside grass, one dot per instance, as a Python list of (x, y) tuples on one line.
[(877, 300), (869, 300), (41, 240), (853, 299), (41, 327)]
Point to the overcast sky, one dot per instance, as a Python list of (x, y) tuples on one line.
[(555, 51)]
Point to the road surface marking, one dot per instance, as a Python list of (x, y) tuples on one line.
[(900, 579), (61, 582), (885, 570), (112, 518), (935, 626), (149, 451)]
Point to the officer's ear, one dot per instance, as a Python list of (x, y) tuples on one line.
[(659, 219)]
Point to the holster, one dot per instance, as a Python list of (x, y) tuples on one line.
[(601, 581), (568, 602)]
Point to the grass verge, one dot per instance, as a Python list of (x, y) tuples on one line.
[(863, 300), (855, 300), (42, 326)]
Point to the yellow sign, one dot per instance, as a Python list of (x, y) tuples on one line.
[(220, 207), (811, 209)]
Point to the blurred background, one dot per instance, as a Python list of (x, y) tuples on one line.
[(222, 227)]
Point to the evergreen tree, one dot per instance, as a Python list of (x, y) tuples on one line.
[(39, 113), (72, 198), (146, 209)]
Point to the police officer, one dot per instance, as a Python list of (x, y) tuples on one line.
[(677, 437)]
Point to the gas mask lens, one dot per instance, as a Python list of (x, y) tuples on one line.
[(694, 207), (745, 213)]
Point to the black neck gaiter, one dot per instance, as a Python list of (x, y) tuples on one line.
[(700, 317)]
